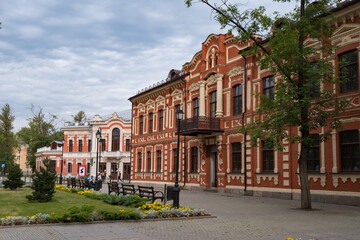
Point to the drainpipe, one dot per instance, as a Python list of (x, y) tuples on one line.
[(184, 136), (131, 119), (243, 122)]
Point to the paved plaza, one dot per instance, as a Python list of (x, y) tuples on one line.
[(237, 217)]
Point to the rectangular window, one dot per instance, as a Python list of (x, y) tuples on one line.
[(268, 158), (149, 161), (350, 151), (268, 88), (177, 108), (103, 144), (194, 160), (161, 120), (213, 104), (349, 71), (70, 145), (80, 145), (174, 159), (127, 145), (236, 157), (141, 125), (158, 160), (78, 166), (314, 154), (151, 121), (237, 100), (69, 168), (89, 145), (196, 107), (88, 168), (315, 81), (139, 161)]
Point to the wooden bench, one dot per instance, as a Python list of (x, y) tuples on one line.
[(114, 187), (148, 192), (128, 189)]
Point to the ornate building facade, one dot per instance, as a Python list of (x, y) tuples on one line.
[(80, 147), (215, 90)]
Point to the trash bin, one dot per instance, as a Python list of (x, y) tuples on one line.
[(169, 193), (98, 185)]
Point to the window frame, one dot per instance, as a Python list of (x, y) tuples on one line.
[(350, 148), (141, 125), (139, 161), (194, 159), (80, 147), (196, 108), (161, 120), (269, 87), (314, 155), (115, 140), (151, 122), (267, 158), (236, 157), (71, 145), (354, 80), (158, 160), (212, 103), (237, 99), (148, 161)]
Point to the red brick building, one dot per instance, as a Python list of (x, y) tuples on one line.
[(80, 147), (216, 98)]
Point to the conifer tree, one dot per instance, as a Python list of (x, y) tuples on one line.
[(43, 183), (14, 177)]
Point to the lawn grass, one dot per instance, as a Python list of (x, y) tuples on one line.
[(14, 203)]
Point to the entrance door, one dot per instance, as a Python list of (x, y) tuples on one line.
[(213, 170), (126, 172), (113, 173)]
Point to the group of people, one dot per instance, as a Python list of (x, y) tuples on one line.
[(101, 176)]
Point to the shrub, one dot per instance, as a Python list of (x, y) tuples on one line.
[(120, 215), (76, 214), (43, 184), (14, 177)]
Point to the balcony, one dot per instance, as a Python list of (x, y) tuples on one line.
[(199, 125)]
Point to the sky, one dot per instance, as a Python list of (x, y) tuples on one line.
[(65, 56)]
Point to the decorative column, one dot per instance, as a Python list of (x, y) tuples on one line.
[(219, 94), (202, 99)]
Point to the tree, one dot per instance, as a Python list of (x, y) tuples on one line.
[(7, 137), (40, 132), (302, 69), (43, 183), (80, 116), (14, 177)]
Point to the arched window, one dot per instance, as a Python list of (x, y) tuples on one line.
[(115, 140)]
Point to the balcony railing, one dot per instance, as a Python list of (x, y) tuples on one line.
[(199, 125)]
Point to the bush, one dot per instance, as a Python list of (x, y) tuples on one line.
[(43, 184), (76, 214), (14, 177), (120, 215)]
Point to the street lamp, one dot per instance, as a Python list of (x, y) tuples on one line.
[(176, 190), (98, 136), (62, 161)]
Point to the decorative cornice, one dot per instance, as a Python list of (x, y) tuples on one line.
[(236, 71), (197, 56), (209, 38)]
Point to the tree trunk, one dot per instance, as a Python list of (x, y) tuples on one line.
[(304, 183), (304, 126)]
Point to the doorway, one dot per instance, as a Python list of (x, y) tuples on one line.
[(126, 172), (213, 164), (113, 173)]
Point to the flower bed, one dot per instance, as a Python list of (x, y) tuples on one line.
[(158, 210), (87, 214)]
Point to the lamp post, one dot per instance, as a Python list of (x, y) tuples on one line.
[(62, 161), (98, 136), (176, 190)]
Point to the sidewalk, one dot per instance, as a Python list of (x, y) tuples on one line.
[(238, 217)]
